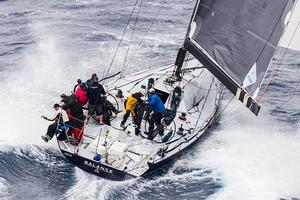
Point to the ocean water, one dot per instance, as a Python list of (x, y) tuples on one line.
[(46, 45)]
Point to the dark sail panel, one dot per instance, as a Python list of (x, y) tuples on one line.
[(240, 36)]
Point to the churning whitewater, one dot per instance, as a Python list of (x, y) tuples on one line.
[(47, 45)]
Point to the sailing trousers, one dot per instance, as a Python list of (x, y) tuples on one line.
[(127, 115), (139, 117), (155, 119), (51, 129)]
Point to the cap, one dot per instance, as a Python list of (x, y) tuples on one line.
[(151, 90)]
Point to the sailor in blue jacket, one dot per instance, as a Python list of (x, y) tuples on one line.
[(157, 106)]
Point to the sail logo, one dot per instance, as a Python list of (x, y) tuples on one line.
[(251, 77)]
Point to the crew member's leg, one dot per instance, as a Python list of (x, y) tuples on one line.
[(125, 118), (50, 132), (99, 112), (91, 110)]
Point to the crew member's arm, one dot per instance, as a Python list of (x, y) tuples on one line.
[(150, 101), (46, 118), (102, 91), (55, 117)]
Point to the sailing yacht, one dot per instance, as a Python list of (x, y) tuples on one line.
[(231, 42)]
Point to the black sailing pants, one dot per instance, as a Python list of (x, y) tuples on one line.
[(125, 117), (154, 119), (52, 129)]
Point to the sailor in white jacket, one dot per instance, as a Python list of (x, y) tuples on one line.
[(60, 117)]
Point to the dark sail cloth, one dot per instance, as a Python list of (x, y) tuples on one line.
[(236, 43)]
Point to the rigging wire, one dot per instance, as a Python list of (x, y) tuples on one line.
[(226, 106), (120, 41), (280, 62), (292, 95), (204, 103), (149, 27), (152, 22), (271, 34), (128, 49), (276, 71)]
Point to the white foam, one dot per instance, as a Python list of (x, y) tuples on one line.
[(30, 90), (3, 188), (253, 158), (95, 187), (44, 73)]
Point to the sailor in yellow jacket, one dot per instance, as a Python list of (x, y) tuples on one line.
[(130, 104)]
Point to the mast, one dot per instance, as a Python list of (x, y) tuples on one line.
[(182, 51)]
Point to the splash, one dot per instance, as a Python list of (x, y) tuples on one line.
[(253, 157), (33, 88)]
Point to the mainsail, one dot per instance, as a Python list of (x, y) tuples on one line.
[(236, 39)]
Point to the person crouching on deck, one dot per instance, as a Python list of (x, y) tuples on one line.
[(60, 118), (130, 104), (156, 105)]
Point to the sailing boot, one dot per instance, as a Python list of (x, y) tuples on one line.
[(122, 125), (46, 137)]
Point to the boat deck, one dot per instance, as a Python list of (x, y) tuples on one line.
[(121, 149)]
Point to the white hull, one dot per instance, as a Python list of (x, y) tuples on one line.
[(199, 87)]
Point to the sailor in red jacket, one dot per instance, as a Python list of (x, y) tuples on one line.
[(81, 94)]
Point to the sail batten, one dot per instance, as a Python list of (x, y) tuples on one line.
[(237, 39)]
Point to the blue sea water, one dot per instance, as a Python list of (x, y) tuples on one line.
[(46, 45)]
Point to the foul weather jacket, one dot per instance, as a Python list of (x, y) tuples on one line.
[(130, 104), (94, 92), (81, 95), (155, 103)]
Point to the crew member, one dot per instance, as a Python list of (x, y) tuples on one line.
[(156, 105), (77, 118), (95, 94), (60, 118), (80, 93), (88, 82), (79, 82), (130, 105)]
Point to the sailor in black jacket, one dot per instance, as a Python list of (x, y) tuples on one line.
[(95, 94)]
